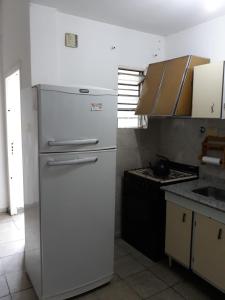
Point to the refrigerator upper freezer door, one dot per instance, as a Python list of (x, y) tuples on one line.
[(77, 218), (76, 122)]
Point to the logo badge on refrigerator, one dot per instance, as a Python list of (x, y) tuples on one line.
[(96, 106)]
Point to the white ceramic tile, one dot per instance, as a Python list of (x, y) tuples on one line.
[(19, 221), (25, 295), (4, 291), (126, 247), (169, 275), (7, 227), (5, 218), (168, 294), (144, 260), (17, 281), (13, 263), (6, 298), (145, 284), (198, 291), (1, 267), (117, 291), (9, 232), (11, 248), (88, 296), (126, 266), (119, 252)]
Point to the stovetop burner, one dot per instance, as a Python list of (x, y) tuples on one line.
[(175, 175)]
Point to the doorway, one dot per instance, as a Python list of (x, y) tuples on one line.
[(14, 142)]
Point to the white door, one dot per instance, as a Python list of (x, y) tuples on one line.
[(72, 121), (77, 192), (14, 141)]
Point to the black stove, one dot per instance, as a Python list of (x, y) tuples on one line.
[(171, 178), (144, 207)]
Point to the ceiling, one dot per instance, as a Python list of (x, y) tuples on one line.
[(162, 17)]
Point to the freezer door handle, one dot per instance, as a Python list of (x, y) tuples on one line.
[(53, 163), (73, 142)]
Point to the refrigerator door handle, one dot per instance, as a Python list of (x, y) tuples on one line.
[(73, 142), (52, 163)]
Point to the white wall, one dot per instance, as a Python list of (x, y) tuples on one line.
[(93, 62), (15, 52), (3, 180), (206, 39)]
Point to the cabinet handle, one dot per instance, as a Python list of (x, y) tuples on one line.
[(184, 218), (220, 232), (212, 108)]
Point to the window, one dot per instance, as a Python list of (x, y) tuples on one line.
[(128, 95)]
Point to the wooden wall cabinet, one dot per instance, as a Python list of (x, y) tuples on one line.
[(150, 88), (208, 94), (208, 253), (167, 89), (178, 233)]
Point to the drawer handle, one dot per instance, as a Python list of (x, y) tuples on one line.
[(52, 163), (212, 108), (74, 142), (184, 218), (220, 232)]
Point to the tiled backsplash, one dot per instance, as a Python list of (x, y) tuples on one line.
[(181, 140)]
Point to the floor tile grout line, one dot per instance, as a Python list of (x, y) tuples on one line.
[(123, 280), (17, 292), (177, 292), (164, 281), (11, 254), (2, 243), (155, 294), (7, 284), (139, 272), (158, 293)]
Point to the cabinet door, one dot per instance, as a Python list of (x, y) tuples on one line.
[(150, 88), (171, 86), (178, 233), (184, 106), (207, 91), (208, 256)]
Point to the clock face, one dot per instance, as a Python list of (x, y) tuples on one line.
[(71, 40)]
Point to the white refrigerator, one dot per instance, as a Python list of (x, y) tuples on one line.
[(69, 147)]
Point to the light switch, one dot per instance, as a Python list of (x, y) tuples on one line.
[(71, 40)]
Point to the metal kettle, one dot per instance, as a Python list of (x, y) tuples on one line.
[(161, 167)]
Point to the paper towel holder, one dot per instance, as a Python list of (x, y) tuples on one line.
[(214, 143)]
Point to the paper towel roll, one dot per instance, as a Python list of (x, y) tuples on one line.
[(211, 160)]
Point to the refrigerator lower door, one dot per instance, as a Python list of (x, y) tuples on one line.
[(76, 122), (77, 192)]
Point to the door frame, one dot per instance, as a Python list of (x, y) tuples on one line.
[(17, 67)]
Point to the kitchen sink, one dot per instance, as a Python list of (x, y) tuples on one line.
[(212, 192)]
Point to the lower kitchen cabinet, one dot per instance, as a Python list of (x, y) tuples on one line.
[(208, 252), (178, 233)]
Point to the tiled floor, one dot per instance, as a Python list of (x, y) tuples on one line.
[(136, 277)]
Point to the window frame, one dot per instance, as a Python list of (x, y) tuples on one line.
[(142, 121)]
